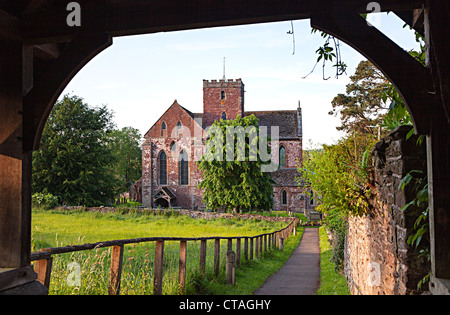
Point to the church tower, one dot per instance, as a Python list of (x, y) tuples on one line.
[(223, 99)]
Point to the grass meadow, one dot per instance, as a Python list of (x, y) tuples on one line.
[(62, 228)]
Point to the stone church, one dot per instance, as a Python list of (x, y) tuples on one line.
[(175, 143)]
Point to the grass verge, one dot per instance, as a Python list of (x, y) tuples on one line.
[(331, 283)]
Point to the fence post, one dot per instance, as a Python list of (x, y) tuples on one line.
[(216, 256), (251, 248), (43, 269), (182, 267), (238, 252), (281, 243), (158, 272), (202, 256), (261, 245), (231, 268), (257, 248), (246, 248), (115, 271)]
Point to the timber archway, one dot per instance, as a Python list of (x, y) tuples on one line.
[(40, 52)]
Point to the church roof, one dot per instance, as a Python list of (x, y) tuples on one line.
[(287, 121)]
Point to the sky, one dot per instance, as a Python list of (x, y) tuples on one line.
[(139, 77)]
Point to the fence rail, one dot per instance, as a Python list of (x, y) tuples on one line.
[(254, 246)]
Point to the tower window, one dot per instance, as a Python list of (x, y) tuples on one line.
[(282, 157), (183, 168), (162, 168), (222, 95), (224, 116)]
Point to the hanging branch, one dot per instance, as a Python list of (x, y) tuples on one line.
[(291, 32), (327, 53)]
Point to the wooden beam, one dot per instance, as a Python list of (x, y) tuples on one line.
[(411, 79), (131, 17), (438, 142), (9, 26), (48, 85), (47, 51)]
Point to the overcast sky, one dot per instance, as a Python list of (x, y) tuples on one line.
[(139, 77)]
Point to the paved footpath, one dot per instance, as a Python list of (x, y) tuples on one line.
[(300, 275)]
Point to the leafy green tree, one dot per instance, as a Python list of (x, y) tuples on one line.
[(126, 146), (362, 108), (75, 161), (232, 176)]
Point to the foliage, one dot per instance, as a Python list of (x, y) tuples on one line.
[(45, 201), (235, 183), (329, 52), (361, 108), (75, 160), (420, 235), (126, 148)]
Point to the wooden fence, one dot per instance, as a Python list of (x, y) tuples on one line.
[(253, 246)]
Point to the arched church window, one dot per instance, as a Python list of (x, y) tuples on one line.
[(162, 168), (282, 157), (222, 95), (284, 197), (183, 168)]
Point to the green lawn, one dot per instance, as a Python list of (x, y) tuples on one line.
[(331, 283), (61, 228)]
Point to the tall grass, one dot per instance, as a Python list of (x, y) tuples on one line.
[(54, 228)]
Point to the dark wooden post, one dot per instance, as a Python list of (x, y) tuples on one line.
[(261, 245), (115, 271), (257, 248), (231, 268), (438, 143), (158, 269), (202, 256), (230, 244), (216, 256), (281, 244), (182, 268), (246, 248), (251, 248), (238, 252), (15, 165)]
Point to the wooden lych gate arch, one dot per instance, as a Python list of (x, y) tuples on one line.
[(40, 53)]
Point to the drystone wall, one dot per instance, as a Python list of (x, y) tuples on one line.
[(378, 259)]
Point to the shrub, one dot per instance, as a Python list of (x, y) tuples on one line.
[(46, 201)]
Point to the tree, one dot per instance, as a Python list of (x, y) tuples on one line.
[(126, 147), (362, 107), (75, 160), (232, 176)]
